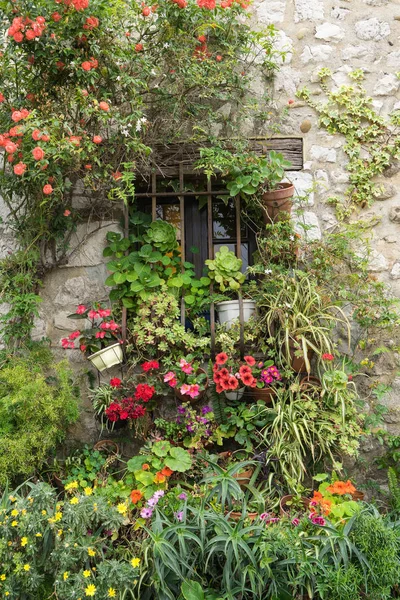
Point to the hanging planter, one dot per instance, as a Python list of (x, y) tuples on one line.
[(228, 311), (107, 357), (277, 204)]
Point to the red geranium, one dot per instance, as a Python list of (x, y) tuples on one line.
[(115, 382), (328, 356), (149, 365), (144, 392)]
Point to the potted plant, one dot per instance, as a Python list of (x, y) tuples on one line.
[(226, 377), (94, 341), (300, 315), (262, 377), (225, 270), (188, 380), (191, 428)]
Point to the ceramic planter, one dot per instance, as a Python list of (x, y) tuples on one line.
[(278, 203), (186, 398), (235, 395), (228, 311), (264, 394), (107, 357)]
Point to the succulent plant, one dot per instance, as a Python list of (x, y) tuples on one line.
[(161, 235), (225, 270)]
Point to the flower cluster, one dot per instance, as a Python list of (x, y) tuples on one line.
[(102, 328), (23, 28), (316, 519), (152, 502), (188, 378), (227, 373), (341, 488), (125, 409)]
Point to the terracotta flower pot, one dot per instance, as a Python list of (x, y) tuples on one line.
[(236, 516), (310, 383), (265, 394), (284, 509), (108, 446), (358, 496), (186, 398), (278, 203), (298, 363), (243, 477)]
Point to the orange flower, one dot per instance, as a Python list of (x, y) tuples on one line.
[(136, 495), (145, 467), (326, 506), (159, 477), (318, 496), (166, 471), (341, 488)]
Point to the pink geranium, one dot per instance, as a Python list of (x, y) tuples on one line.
[(185, 389), (81, 308), (186, 366), (194, 390)]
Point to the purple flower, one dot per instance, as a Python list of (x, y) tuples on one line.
[(264, 516), (181, 410), (206, 409), (152, 501), (146, 513), (179, 515), (158, 494), (182, 496), (295, 521), (203, 421), (190, 428)]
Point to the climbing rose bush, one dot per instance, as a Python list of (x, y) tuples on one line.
[(89, 88)]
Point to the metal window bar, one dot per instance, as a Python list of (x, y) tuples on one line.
[(210, 193)]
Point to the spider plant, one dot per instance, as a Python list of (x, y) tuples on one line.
[(299, 315)]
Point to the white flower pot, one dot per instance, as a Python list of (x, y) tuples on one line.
[(107, 357), (228, 311), (235, 395)]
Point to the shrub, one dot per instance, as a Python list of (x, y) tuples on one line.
[(35, 411)]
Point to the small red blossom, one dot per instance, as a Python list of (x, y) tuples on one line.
[(66, 212), (115, 382), (327, 356), (221, 358), (149, 365), (47, 189), (20, 168), (80, 309), (97, 139), (38, 153), (139, 47), (104, 106)]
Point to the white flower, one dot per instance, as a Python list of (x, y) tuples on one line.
[(268, 271), (166, 45)]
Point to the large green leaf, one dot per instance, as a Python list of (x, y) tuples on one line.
[(179, 460), (192, 590), (119, 278), (145, 477), (161, 448), (135, 463)]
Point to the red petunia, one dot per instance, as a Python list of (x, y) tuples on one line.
[(224, 373), (247, 379), (250, 360), (233, 382), (217, 377), (245, 370), (221, 358)]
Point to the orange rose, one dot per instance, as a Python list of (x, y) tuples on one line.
[(136, 495)]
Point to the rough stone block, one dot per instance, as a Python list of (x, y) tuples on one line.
[(323, 154), (351, 52), (271, 12), (394, 214), (377, 262), (308, 10), (304, 187), (388, 84), (329, 32), (307, 225), (90, 241), (372, 29), (316, 54), (395, 272)]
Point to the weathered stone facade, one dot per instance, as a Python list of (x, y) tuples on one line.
[(342, 35)]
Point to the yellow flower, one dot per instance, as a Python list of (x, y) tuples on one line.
[(14, 523), (30, 499), (59, 532), (71, 486), (122, 508), (88, 491), (38, 535), (66, 575), (91, 552), (44, 512), (87, 573), (7, 593), (14, 512), (27, 568), (90, 590), (58, 515), (74, 500), (3, 577), (9, 543), (95, 506), (135, 562), (12, 498), (111, 593), (24, 541)]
